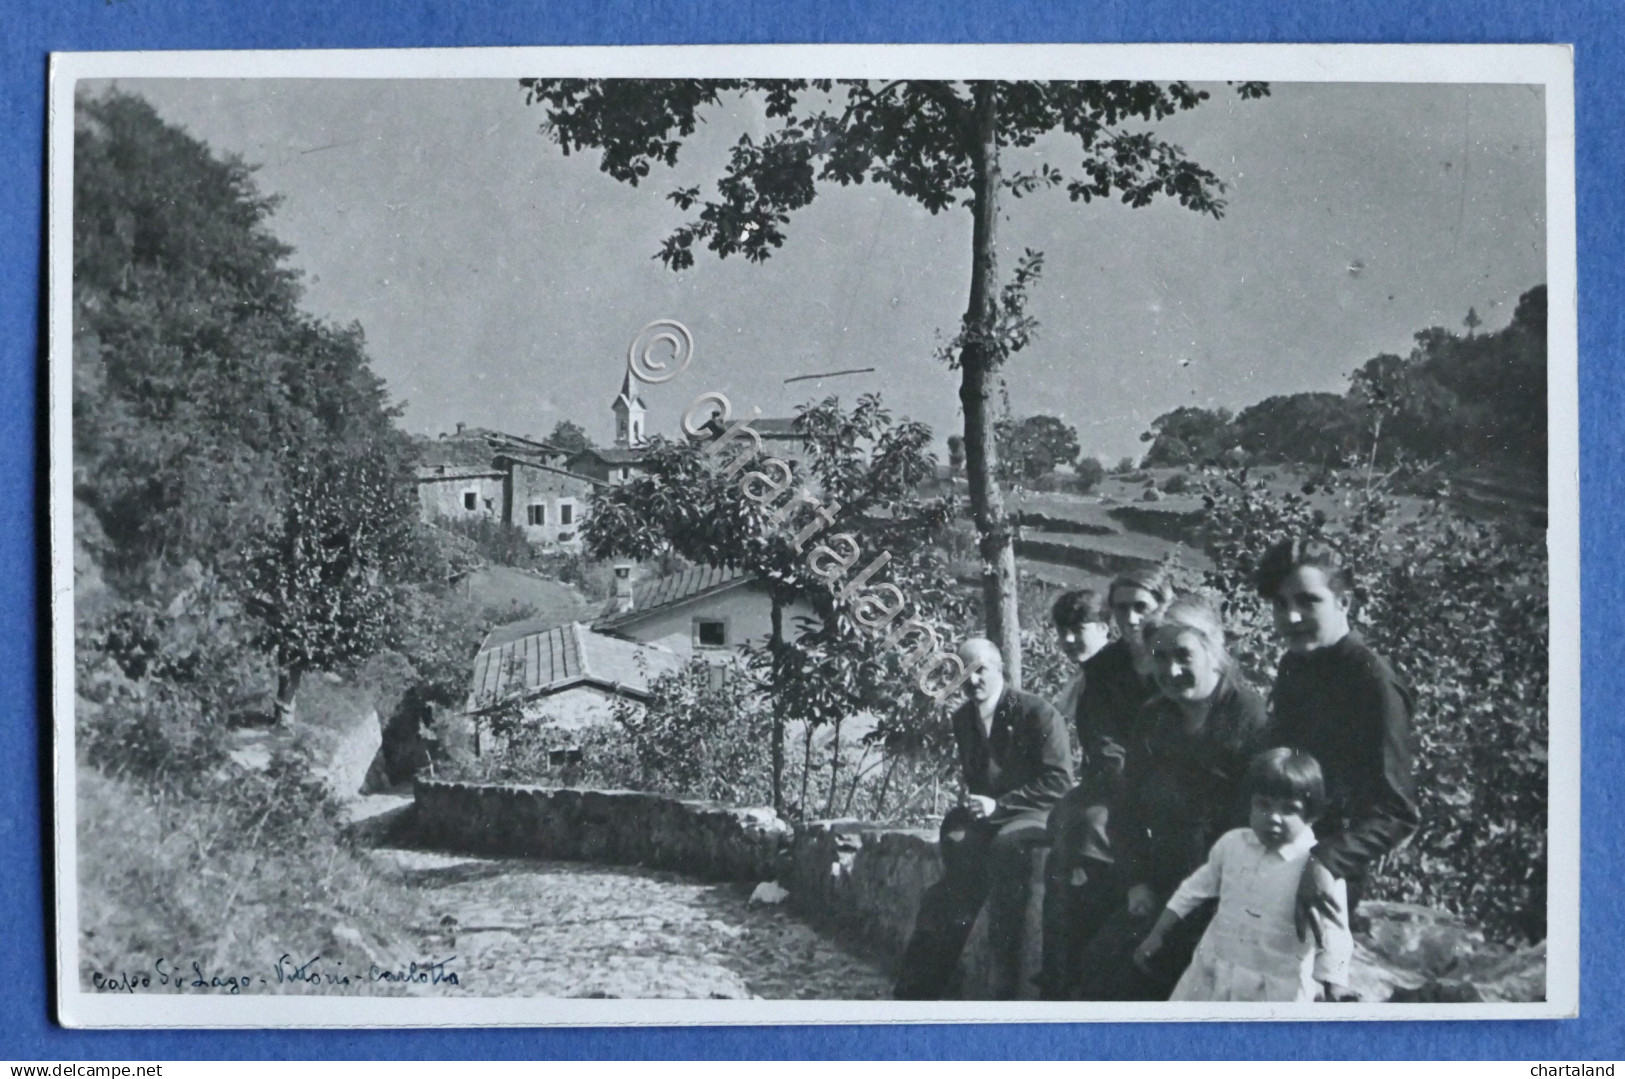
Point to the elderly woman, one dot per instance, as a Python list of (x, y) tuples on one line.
[(1182, 790)]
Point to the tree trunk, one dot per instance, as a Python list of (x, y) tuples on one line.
[(834, 769), (977, 360), (806, 768), (776, 735), (287, 692)]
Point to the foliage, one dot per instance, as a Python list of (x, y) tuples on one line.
[(243, 501), (195, 373), (1188, 435), (1177, 484), (1460, 608), (318, 577), (1090, 472), (251, 866), (701, 734), (218, 429), (937, 143), (493, 540), (1035, 446), (1316, 429), (569, 435), (866, 468), (1474, 396), (595, 578)]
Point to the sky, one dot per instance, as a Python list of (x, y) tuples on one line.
[(500, 282)]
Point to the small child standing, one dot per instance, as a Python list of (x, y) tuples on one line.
[(1251, 950)]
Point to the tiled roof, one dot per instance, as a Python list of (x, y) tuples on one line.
[(616, 455), (477, 446), (465, 452), (672, 588), (557, 659), (431, 473)]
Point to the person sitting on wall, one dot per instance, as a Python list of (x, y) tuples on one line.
[(1015, 762), (1082, 622), (1182, 791), (1111, 688), (1338, 700)]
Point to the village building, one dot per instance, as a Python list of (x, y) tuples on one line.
[(480, 474), (566, 678), (621, 462), (704, 610)]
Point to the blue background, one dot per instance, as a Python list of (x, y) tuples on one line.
[(31, 29)]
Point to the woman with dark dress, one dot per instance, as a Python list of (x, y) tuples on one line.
[(1182, 790)]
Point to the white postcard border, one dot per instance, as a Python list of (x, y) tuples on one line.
[(1550, 66)]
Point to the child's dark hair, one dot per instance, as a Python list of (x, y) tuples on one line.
[(1289, 554), (1079, 608), (1284, 772)]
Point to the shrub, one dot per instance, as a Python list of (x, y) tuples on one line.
[(698, 736), (1460, 609), (1178, 483), (496, 541), (1089, 474), (595, 578)]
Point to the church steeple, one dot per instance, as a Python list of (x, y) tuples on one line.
[(629, 412)]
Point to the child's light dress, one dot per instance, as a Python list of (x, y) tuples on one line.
[(1251, 949)]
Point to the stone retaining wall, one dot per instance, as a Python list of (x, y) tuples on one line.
[(865, 881), (615, 827)]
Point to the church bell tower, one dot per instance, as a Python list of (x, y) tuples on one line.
[(629, 412)]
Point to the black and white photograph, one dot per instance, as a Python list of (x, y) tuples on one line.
[(783, 535)]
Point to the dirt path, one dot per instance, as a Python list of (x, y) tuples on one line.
[(563, 929)]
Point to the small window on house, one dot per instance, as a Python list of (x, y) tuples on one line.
[(711, 633), (567, 513), (536, 514), (626, 473), (471, 500)]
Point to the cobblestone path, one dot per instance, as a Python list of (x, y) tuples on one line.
[(565, 929)]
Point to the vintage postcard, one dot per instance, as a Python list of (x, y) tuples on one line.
[(802, 534)]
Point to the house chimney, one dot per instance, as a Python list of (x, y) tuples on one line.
[(459, 426), (623, 586)]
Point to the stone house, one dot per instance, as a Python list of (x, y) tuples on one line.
[(477, 474), (611, 465), (566, 677)]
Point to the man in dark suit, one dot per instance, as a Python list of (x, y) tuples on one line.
[(1016, 763)]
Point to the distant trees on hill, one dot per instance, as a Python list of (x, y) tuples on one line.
[(1479, 394), (1034, 446)]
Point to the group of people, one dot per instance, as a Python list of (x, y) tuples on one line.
[(1210, 845)]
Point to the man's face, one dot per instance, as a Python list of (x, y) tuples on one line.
[(1309, 615), (986, 681), (1131, 607)]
